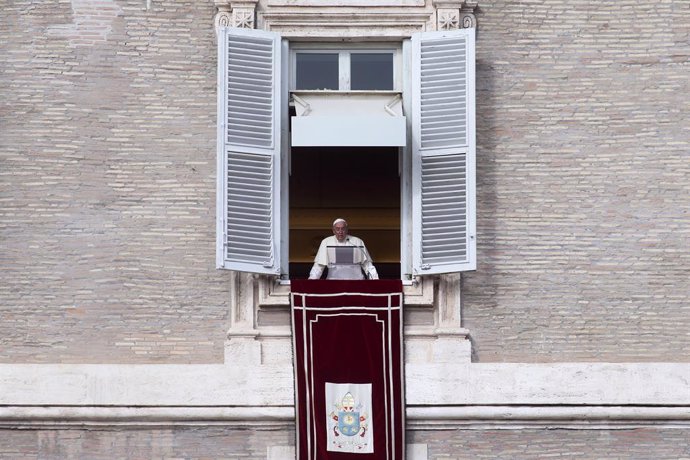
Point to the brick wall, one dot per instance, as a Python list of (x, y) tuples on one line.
[(583, 182), (203, 442), (527, 444), (107, 183)]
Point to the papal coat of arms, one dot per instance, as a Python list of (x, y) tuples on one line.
[(350, 422), (349, 419)]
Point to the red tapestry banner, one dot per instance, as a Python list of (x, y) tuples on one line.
[(349, 395)]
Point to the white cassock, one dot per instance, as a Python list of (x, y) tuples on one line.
[(322, 258)]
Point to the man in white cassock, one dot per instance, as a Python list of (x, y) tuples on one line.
[(360, 265)]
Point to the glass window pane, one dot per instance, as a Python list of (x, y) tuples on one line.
[(371, 71), (317, 71)]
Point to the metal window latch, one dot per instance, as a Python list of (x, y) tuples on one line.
[(425, 267)]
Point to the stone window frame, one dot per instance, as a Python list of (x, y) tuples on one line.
[(437, 296)]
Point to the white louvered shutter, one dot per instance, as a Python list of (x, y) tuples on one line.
[(249, 105), (443, 152)]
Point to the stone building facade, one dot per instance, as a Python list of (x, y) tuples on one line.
[(121, 339)]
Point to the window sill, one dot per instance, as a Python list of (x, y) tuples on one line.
[(341, 93), (404, 282), (274, 292)]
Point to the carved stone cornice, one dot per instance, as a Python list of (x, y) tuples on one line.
[(315, 23), (350, 19)]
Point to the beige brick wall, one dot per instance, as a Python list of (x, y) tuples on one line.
[(583, 182), (108, 443), (107, 183), (528, 444)]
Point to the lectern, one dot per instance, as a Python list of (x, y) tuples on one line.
[(345, 262)]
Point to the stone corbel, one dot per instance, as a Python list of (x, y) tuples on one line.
[(455, 14), (240, 14), (223, 17), (467, 17)]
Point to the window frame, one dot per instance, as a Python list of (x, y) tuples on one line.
[(406, 80), (344, 51)]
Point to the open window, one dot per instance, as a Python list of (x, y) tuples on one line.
[(320, 67), (361, 184), (346, 97), (380, 135)]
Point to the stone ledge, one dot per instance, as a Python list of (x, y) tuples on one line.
[(418, 418), (427, 385)]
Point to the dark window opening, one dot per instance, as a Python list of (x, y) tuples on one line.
[(359, 184), (371, 71), (317, 71)]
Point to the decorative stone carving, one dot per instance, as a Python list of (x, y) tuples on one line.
[(448, 19), (455, 14), (235, 13), (243, 18), (338, 19), (469, 20), (222, 19)]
